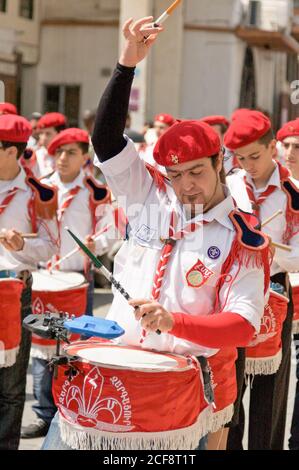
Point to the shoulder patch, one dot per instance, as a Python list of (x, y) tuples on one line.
[(45, 198), (292, 193), (247, 234), (100, 193)]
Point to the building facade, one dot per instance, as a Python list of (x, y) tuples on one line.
[(212, 57)]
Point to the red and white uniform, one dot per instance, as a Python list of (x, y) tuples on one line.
[(149, 215), (16, 216), (75, 212), (284, 261)]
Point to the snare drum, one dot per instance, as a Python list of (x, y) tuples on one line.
[(10, 320), (294, 280), (119, 398), (263, 355), (57, 292), (224, 383)]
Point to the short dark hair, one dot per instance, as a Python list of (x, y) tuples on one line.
[(215, 159), (20, 146), (83, 146), (267, 138), (60, 128)]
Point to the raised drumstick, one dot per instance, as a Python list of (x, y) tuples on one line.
[(167, 13)]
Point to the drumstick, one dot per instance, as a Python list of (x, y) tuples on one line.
[(100, 267), (167, 13), (23, 235), (267, 221), (95, 238), (280, 246)]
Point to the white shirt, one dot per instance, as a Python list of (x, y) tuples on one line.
[(149, 213), (16, 217), (78, 217), (284, 261)]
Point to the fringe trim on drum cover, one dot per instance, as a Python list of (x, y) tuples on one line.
[(265, 366), (42, 352), (79, 438), (221, 418), (8, 357), (295, 327)]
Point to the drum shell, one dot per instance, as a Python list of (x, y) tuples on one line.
[(263, 356), (10, 320), (128, 404)]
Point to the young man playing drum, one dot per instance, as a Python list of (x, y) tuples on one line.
[(288, 135), (84, 206), (28, 235), (184, 259), (263, 187)]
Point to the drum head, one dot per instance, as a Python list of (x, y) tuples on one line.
[(294, 279), (119, 357), (43, 281)]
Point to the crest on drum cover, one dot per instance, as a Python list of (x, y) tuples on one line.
[(268, 327), (88, 406), (38, 307)]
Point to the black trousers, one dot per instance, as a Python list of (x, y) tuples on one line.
[(268, 398), (13, 385)]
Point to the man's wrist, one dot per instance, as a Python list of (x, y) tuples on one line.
[(124, 63)]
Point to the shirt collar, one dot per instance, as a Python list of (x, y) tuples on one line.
[(19, 182), (79, 181), (219, 213), (273, 181)]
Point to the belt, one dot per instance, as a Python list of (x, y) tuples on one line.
[(22, 275)]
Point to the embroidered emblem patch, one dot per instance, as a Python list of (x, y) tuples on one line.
[(214, 252), (198, 275), (175, 159)]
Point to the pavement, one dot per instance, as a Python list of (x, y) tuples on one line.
[(103, 298)]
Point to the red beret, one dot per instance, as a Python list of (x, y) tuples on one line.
[(51, 120), (165, 119), (69, 136), (186, 141), (216, 120), (14, 129), (8, 108), (245, 130), (239, 113), (290, 129)]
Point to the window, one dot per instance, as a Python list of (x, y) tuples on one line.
[(27, 9), (64, 99), (3, 5)]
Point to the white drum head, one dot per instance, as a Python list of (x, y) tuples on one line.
[(294, 279), (122, 358), (43, 281)]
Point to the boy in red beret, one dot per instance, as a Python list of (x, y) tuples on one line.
[(162, 122), (263, 187), (26, 206), (181, 261), (288, 135), (8, 108), (84, 206), (49, 126), (220, 124)]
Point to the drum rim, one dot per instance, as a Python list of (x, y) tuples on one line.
[(189, 360)]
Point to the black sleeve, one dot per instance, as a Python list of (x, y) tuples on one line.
[(107, 138)]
